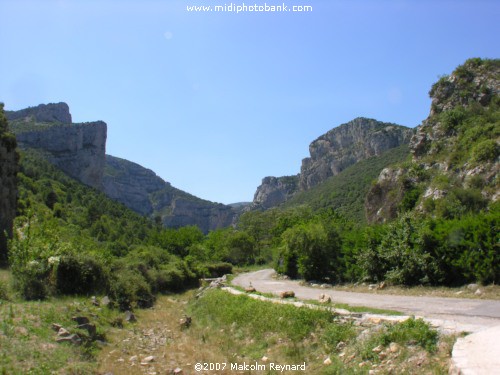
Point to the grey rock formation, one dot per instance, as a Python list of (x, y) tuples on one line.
[(143, 191), (475, 84), (331, 153), (52, 112), (347, 144), (275, 190), (78, 149), (8, 184)]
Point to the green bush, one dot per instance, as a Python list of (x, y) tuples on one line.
[(219, 269), (129, 289), (80, 274), (31, 281), (485, 151)]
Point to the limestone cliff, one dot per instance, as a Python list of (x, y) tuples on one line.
[(8, 183), (274, 190), (77, 149), (348, 144), (52, 113), (143, 191), (456, 150), (332, 153)]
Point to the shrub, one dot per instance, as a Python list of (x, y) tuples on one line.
[(129, 289), (485, 151), (80, 274), (219, 269), (30, 281)]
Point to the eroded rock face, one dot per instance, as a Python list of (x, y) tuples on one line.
[(275, 190), (146, 193), (348, 144), (8, 184), (471, 88), (52, 112), (78, 149)]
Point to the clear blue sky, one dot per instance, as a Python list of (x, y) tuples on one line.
[(213, 102)]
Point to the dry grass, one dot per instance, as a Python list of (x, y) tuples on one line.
[(158, 333)]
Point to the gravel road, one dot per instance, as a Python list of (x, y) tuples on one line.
[(451, 314)]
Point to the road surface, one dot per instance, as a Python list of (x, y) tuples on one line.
[(451, 314)]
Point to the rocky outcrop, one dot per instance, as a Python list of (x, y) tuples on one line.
[(456, 150), (52, 113), (275, 190), (8, 183), (348, 144), (77, 149), (331, 153), (144, 192)]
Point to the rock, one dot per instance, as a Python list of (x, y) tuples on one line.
[(134, 358), (324, 298), (382, 285), (473, 287), (130, 317), (56, 327), (372, 286), (94, 301), (264, 359), (274, 191), (250, 289), (378, 349), (80, 320), (327, 361), (478, 292), (52, 112), (90, 328), (148, 360), (287, 294), (105, 301), (63, 332), (348, 144), (185, 322), (393, 347), (77, 149), (74, 339), (177, 370)]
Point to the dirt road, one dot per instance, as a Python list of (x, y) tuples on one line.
[(452, 314)]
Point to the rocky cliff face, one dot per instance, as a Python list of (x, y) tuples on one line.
[(456, 150), (275, 190), (348, 144), (52, 113), (77, 149), (8, 185), (331, 153), (143, 191)]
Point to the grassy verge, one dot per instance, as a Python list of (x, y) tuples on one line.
[(249, 330)]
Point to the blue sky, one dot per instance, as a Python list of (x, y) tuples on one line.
[(213, 102)]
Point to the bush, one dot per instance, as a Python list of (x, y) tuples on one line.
[(485, 151), (30, 281), (80, 274), (219, 269), (129, 289)]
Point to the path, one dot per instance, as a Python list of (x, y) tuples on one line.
[(475, 354)]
